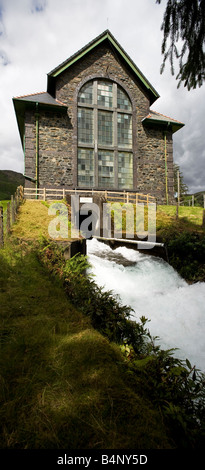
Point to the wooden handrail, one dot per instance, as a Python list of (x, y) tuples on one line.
[(110, 196)]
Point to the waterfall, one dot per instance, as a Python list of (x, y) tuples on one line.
[(152, 288)]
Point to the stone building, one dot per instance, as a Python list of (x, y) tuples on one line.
[(93, 127)]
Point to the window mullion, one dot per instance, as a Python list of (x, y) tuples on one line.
[(115, 135), (114, 95), (95, 111)]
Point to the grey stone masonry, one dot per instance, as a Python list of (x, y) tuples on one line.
[(57, 130)]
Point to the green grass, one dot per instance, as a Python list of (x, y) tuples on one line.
[(62, 384), (191, 214), (4, 205), (33, 220), (189, 219), (168, 226)]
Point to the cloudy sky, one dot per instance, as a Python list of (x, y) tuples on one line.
[(37, 35)]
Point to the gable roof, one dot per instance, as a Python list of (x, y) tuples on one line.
[(155, 118), (106, 36), (43, 99)]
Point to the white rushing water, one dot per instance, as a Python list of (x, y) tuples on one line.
[(149, 285)]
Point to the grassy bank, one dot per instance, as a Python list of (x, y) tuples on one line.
[(74, 371), (63, 384), (184, 238)]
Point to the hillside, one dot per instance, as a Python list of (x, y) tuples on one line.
[(9, 180), (76, 372)]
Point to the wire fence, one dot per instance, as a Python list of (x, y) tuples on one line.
[(8, 214)]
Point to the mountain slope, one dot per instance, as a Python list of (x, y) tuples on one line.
[(9, 180)]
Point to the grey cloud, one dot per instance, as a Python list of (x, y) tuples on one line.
[(4, 60), (40, 34), (38, 6)]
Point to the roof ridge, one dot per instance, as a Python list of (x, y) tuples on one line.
[(40, 93), (32, 94), (106, 32), (168, 117), (106, 35), (58, 101)]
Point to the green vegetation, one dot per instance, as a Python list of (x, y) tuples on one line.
[(175, 387), (184, 239), (198, 199), (188, 215), (33, 220), (63, 384), (4, 205), (75, 371), (9, 181)]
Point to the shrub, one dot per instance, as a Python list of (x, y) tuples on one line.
[(187, 255)]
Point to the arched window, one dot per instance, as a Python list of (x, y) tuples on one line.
[(105, 158)]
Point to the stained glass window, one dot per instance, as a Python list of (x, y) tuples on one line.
[(105, 158), (85, 167), (86, 94), (105, 169), (124, 130), (105, 94), (105, 128), (123, 102), (85, 126), (125, 170)]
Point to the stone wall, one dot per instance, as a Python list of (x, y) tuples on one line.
[(58, 131), (151, 163), (55, 150), (30, 147)]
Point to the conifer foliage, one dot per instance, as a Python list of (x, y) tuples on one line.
[(184, 24)]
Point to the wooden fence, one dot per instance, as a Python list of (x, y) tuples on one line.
[(110, 196), (8, 216)]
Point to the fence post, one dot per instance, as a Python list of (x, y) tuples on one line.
[(16, 203), (203, 218), (17, 199), (12, 210), (136, 199), (8, 217), (178, 195), (1, 226), (21, 193)]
